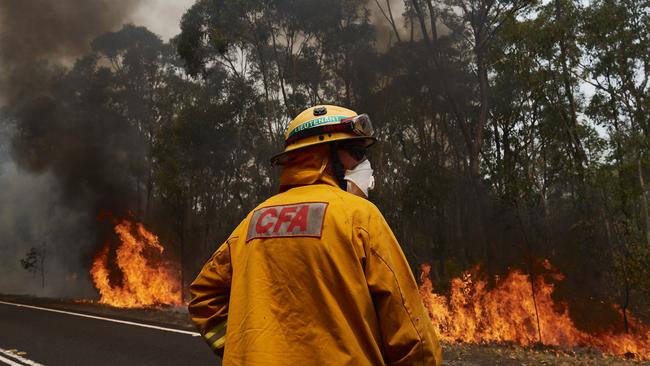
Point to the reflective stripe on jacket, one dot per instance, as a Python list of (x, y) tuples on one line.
[(313, 276)]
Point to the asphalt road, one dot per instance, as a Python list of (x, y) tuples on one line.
[(36, 337)]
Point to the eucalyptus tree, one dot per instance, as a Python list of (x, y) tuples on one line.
[(138, 61), (616, 35)]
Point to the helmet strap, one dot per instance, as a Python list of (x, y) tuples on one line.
[(337, 166)]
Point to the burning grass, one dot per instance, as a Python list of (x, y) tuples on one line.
[(474, 313), (146, 279)]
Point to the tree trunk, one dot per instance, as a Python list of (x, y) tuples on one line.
[(644, 202), (578, 153), (43, 269), (484, 104)]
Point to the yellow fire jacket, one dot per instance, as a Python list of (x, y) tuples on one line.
[(312, 276)]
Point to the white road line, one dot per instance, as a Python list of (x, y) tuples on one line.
[(193, 334), (9, 362), (24, 360)]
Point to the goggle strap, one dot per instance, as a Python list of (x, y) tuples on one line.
[(346, 125)]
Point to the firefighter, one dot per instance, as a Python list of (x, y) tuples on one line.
[(314, 275)]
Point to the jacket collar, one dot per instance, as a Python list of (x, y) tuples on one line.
[(310, 166)]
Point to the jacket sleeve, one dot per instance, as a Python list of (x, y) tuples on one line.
[(408, 336), (210, 293)]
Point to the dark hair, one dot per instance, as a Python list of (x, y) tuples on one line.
[(357, 150)]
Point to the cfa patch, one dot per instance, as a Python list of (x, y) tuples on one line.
[(299, 219)]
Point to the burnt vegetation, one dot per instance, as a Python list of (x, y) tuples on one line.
[(510, 131)]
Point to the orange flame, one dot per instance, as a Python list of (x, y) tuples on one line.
[(506, 313), (143, 283)]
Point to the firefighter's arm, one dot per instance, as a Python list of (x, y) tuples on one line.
[(408, 336), (210, 292)]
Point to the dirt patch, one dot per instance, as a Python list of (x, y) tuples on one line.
[(463, 354)]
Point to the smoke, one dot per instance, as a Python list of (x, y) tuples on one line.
[(39, 32), (31, 216), (383, 15), (394, 20), (56, 171)]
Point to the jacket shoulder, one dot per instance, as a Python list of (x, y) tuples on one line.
[(336, 198)]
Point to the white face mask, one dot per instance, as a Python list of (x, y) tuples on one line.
[(361, 175)]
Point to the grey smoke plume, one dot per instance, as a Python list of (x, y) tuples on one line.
[(35, 32), (56, 173), (387, 17), (32, 217)]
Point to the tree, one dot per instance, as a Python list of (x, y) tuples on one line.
[(34, 262), (139, 62)]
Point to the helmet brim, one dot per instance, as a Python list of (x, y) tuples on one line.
[(284, 157)]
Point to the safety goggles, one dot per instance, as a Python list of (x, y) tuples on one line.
[(359, 125)]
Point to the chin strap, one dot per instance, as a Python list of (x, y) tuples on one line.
[(339, 170)]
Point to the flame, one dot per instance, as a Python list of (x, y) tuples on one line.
[(143, 283), (473, 313)]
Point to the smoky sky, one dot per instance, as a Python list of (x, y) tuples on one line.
[(57, 172), (39, 42), (54, 31)]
